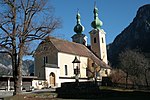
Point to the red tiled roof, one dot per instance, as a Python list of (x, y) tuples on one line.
[(76, 49)]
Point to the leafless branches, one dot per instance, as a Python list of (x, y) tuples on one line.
[(21, 22), (135, 65)]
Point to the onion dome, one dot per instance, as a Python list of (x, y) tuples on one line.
[(97, 23), (78, 28)]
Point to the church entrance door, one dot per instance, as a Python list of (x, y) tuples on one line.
[(52, 79)]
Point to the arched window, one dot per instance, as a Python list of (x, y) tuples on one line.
[(102, 40), (66, 70), (45, 59), (94, 40)]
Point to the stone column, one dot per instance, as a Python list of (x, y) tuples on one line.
[(21, 85), (8, 84)]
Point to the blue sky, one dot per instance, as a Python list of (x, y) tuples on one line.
[(115, 15)]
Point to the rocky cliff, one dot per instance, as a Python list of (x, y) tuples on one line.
[(6, 66), (135, 36)]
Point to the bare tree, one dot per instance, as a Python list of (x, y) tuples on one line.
[(21, 22), (93, 71), (134, 64), (125, 65), (146, 68), (117, 76)]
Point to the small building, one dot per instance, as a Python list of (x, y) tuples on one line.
[(55, 59), (7, 82)]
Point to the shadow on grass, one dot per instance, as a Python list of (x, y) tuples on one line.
[(123, 95), (102, 94)]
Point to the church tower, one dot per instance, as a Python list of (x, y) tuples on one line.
[(79, 37), (97, 35)]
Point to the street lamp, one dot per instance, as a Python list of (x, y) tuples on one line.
[(76, 66)]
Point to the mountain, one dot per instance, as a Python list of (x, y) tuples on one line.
[(5, 70), (6, 66), (135, 36), (28, 66)]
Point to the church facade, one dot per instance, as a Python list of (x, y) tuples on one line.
[(58, 61)]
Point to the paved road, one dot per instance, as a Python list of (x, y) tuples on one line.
[(5, 94)]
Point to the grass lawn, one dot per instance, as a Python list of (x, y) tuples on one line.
[(109, 93), (105, 93), (33, 96)]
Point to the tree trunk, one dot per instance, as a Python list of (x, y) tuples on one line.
[(126, 80), (14, 52), (14, 65), (146, 80), (95, 77), (14, 72), (19, 71), (17, 74)]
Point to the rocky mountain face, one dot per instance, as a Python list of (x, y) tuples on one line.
[(6, 66), (135, 36)]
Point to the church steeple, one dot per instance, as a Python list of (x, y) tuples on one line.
[(97, 35), (78, 28), (97, 23)]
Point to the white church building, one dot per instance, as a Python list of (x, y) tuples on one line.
[(58, 61)]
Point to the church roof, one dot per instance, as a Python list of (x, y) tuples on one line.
[(75, 49)]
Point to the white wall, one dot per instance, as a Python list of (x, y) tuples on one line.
[(66, 59), (56, 71), (99, 47), (71, 80), (103, 72), (103, 49)]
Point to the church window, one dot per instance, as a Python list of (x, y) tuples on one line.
[(94, 40), (92, 64), (87, 71), (66, 70), (45, 59), (102, 40), (106, 72)]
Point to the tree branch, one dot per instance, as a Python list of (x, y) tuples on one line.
[(6, 52)]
